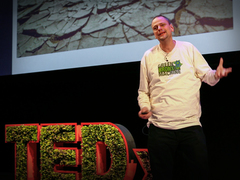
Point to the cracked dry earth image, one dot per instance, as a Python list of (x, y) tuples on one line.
[(48, 26)]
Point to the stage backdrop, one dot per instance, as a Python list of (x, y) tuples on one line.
[(109, 94)]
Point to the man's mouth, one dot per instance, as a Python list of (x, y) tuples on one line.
[(160, 34)]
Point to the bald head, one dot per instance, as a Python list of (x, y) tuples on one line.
[(168, 20)]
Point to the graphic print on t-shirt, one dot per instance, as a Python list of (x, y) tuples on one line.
[(168, 68)]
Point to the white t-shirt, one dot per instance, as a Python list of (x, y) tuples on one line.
[(170, 83)]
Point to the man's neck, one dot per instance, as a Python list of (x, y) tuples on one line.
[(167, 46)]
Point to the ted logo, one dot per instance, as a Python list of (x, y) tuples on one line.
[(71, 151)]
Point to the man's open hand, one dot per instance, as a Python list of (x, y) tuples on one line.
[(221, 71)]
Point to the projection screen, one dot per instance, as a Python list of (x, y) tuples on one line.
[(52, 35)]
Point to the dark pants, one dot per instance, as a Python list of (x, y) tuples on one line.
[(178, 154)]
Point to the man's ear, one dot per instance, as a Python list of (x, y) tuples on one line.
[(172, 28)]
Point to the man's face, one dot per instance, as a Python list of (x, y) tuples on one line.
[(162, 29)]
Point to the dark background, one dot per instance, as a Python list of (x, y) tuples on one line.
[(109, 94)]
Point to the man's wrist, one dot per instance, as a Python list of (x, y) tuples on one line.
[(216, 76)]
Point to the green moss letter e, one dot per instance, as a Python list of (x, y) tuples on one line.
[(50, 157)]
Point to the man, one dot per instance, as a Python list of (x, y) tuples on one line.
[(170, 78)]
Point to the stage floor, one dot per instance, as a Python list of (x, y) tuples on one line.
[(6, 176)]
